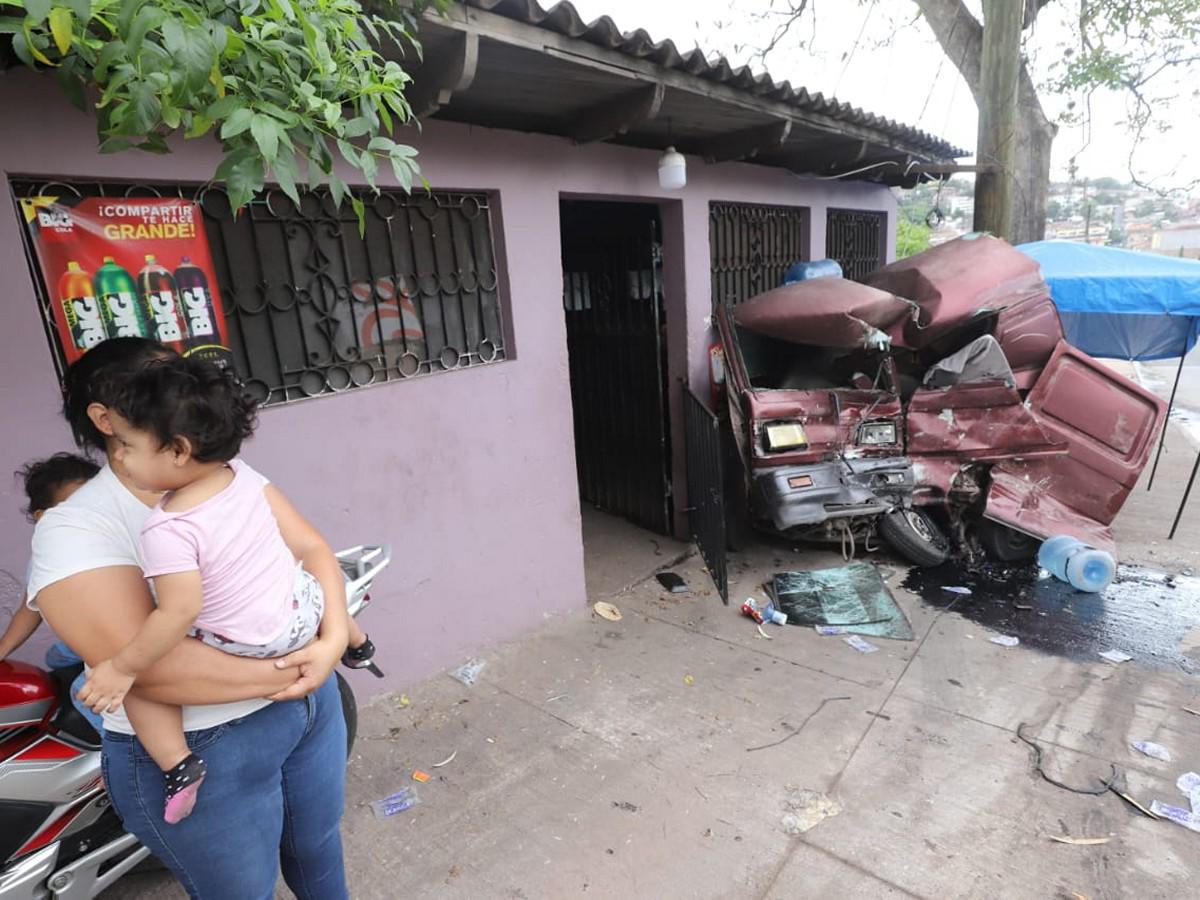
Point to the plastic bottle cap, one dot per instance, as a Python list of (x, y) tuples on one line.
[(73, 266), (185, 260), (150, 258), (109, 259)]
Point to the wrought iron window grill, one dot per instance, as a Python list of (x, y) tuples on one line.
[(752, 246), (313, 307), (856, 239)]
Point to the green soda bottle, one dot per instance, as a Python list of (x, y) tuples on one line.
[(124, 314)]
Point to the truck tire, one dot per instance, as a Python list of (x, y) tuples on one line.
[(915, 536), (1005, 544)]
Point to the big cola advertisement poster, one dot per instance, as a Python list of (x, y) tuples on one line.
[(128, 267)]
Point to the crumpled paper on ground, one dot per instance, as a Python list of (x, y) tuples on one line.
[(805, 809)]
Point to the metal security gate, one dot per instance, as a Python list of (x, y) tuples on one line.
[(752, 246), (615, 339), (857, 240), (705, 484)]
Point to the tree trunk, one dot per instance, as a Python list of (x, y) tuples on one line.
[(960, 35)]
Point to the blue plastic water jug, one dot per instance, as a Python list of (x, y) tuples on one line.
[(1085, 568)]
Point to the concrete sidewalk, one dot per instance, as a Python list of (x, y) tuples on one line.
[(605, 759)]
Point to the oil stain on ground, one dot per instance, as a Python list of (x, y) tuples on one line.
[(1152, 616)]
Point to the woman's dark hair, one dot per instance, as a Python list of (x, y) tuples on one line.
[(96, 378), (43, 478), (189, 398)]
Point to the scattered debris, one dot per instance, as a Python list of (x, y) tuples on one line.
[(445, 762), (763, 634), (762, 613), (879, 715), (700, 792), (606, 610), (1005, 640), (1038, 753), (1079, 841), (672, 582), (1024, 607), (404, 702), (420, 776), (862, 646), (625, 805), (689, 680), (799, 728), (961, 591), (804, 810), (1124, 796), (1153, 750), (1178, 815), (468, 672), (394, 804), (1188, 783), (555, 697), (1188, 709), (854, 597), (829, 630), (1115, 656)]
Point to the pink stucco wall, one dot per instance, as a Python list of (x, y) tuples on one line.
[(470, 475)]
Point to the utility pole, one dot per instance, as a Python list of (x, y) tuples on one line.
[(1000, 66)]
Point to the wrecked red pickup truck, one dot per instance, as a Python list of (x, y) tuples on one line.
[(936, 405)]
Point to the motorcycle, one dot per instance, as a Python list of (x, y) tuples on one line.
[(59, 835)]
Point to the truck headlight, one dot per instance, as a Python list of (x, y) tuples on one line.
[(784, 436), (873, 434)]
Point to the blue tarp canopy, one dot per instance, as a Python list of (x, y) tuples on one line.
[(1122, 304)]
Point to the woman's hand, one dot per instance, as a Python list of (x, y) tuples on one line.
[(315, 662), (106, 687)]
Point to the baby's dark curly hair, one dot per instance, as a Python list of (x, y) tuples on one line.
[(43, 478), (188, 398)]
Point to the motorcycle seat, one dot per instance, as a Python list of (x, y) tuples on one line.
[(68, 719)]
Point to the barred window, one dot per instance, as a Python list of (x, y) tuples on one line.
[(751, 247), (857, 239), (314, 307)]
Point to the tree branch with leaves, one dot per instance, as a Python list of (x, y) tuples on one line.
[(286, 86)]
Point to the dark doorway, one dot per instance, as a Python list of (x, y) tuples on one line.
[(616, 329)]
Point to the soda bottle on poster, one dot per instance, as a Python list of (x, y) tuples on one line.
[(158, 295), (123, 314), (196, 305), (82, 308)]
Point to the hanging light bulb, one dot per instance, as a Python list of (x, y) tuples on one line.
[(672, 170)]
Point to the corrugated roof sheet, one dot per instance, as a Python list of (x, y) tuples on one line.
[(564, 19)]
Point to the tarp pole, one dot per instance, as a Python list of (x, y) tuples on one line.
[(1186, 492), (1171, 404)]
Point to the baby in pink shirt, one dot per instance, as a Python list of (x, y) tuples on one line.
[(217, 548)]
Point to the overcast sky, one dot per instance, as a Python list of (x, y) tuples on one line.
[(897, 70)]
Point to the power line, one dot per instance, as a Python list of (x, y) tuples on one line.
[(854, 49)]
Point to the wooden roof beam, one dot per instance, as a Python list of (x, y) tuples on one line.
[(439, 79), (746, 144), (616, 116)]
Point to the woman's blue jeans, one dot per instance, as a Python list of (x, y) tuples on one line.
[(272, 797)]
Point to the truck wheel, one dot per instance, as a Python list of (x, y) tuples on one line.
[(1005, 544), (349, 711), (915, 536)]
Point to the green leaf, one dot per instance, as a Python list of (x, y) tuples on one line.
[(337, 190), (81, 8), (349, 153), (403, 172), (111, 52), (223, 108), (37, 10), (129, 9), (200, 126), (72, 85), (171, 117), (244, 179), (360, 211), (284, 171), (237, 123), (20, 45), (192, 49), (265, 131), (116, 145), (356, 128), (147, 19), (61, 20), (145, 107), (11, 26)]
